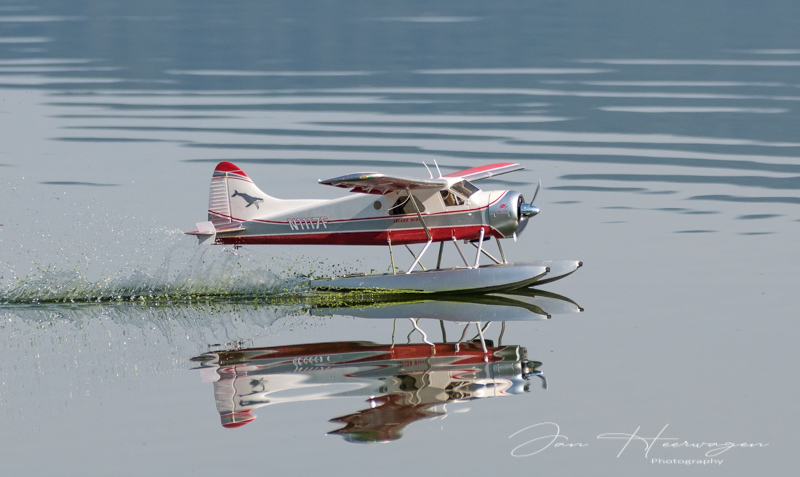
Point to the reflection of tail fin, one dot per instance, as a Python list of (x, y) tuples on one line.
[(233, 197), (232, 420)]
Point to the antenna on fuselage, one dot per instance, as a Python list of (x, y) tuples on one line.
[(437, 168)]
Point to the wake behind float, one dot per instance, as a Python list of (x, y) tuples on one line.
[(389, 211)]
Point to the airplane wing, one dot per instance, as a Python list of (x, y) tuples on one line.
[(484, 172), (377, 183), (381, 184)]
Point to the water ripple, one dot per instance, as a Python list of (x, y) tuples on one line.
[(755, 200), (792, 183)]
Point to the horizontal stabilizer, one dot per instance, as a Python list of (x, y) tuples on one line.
[(206, 231), (204, 228)]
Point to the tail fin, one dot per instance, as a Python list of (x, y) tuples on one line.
[(233, 197)]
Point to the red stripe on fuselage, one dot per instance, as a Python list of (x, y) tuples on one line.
[(399, 237)]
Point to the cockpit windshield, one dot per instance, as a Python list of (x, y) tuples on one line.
[(458, 194), (464, 188)]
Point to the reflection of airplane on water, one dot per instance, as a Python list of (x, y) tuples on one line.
[(403, 383)]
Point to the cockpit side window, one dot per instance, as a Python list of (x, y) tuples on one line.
[(450, 199)]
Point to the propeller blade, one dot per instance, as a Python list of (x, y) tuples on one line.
[(536, 192)]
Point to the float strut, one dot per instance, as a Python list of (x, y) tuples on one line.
[(488, 255), (391, 255), (463, 335), (483, 343), (500, 247), (480, 248), (417, 259), (460, 253), (424, 336)]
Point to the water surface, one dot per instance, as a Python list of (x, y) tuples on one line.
[(665, 138)]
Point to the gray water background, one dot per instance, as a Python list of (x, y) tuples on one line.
[(665, 135)]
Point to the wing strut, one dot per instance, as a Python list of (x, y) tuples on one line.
[(427, 232), (419, 215)]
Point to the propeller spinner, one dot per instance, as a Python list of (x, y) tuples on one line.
[(527, 210)]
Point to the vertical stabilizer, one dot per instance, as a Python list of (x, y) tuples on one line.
[(233, 197)]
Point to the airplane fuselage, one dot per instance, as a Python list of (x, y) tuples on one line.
[(365, 219)]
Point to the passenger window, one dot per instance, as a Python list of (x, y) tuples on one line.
[(404, 206)]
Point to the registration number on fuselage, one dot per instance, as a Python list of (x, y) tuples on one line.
[(307, 223)]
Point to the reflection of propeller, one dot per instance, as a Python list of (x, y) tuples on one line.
[(528, 210)]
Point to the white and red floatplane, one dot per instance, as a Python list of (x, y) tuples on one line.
[(388, 210)]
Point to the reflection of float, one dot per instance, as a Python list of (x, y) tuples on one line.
[(403, 382), (521, 305)]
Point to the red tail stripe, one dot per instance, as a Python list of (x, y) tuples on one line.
[(229, 167)]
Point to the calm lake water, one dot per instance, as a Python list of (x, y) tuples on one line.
[(665, 137)]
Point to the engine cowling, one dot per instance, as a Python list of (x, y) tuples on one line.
[(504, 214), (510, 214)]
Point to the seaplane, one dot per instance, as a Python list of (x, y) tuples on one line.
[(388, 210)]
